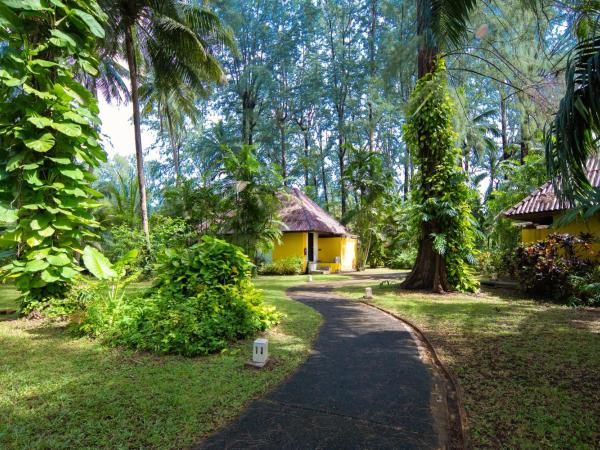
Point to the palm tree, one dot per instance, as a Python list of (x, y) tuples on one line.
[(173, 106), (169, 40), (439, 23), (573, 136)]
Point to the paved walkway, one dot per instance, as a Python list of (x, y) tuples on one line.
[(363, 387)]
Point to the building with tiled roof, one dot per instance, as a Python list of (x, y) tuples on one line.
[(311, 233), (537, 212)]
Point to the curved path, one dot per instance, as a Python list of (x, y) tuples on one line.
[(363, 386)]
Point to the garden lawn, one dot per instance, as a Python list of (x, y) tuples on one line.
[(59, 391), (8, 296), (530, 372)]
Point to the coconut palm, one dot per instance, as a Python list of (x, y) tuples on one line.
[(170, 41)]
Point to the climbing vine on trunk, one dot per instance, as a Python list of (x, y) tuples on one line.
[(441, 196), (48, 141)]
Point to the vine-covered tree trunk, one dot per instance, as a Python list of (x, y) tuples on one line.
[(429, 271), (139, 155)]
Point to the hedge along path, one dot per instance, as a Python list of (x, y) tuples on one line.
[(368, 383)]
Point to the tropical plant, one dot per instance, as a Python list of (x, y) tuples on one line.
[(552, 266), (250, 219), (169, 41), (203, 299), (439, 22), (572, 138), (442, 213), (49, 140), (365, 173), (286, 266)]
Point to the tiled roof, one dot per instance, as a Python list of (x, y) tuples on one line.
[(299, 213), (543, 200)]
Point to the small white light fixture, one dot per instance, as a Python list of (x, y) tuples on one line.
[(368, 293), (260, 352), (310, 278)]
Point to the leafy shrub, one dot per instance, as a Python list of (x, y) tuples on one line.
[(203, 299), (166, 233), (403, 260), (586, 288), (550, 267), (287, 266)]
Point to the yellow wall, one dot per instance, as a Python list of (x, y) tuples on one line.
[(339, 246), (292, 244), (590, 226)]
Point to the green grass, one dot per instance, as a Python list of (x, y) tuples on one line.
[(58, 391), (8, 296), (529, 371)]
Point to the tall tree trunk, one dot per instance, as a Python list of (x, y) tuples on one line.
[(429, 271), (139, 155), (406, 174), (174, 147), (323, 177), (372, 36), (342, 164), (504, 126), (283, 154), (306, 155), (248, 106), (524, 139)]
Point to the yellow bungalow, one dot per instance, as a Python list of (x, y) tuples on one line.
[(536, 213), (312, 234)]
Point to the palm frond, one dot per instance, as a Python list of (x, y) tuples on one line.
[(449, 19), (572, 138)]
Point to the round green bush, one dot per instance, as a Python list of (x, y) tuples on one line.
[(203, 299)]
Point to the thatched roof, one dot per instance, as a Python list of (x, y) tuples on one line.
[(543, 202), (299, 213)]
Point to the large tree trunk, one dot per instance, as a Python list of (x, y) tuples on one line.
[(429, 271), (135, 102)]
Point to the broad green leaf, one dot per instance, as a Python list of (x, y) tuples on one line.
[(31, 5), (40, 122), (42, 144), (31, 177), (67, 128), (14, 162), (37, 265), (48, 277), (74, 117), (46, 232), (62, 224), (63, 161), (43, 63), (34, 241), (62, 39), (88, 67), (43, 95), (68, 272), (98, 264), (74, 174), (59, 260), (8, 215), (90, 21)]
